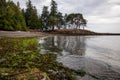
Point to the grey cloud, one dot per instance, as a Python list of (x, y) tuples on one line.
[(103, 10)]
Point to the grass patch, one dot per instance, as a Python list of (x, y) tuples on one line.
[(20, 59)]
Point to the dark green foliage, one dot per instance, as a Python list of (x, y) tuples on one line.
[(18, 4), (2, 7), (60, 20), (14, 18), (53, 15), (53, 11), (11, 17), (70, 17), (50, 20), (77, 19), (31, 17), (45, 17), (28, 12), (80, 72)]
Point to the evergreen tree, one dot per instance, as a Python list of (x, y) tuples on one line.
[(28, 13), (31, 16), (11, 18), (65, 20), (39, 24), (52, 22), (18, 4), (2, 3), (34, 19), (23, 12), (45, 17), (53, 14), (2, 8), (53, 8), (2, 12), (60, 20)]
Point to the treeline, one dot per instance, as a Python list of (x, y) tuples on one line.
[(12, 17)]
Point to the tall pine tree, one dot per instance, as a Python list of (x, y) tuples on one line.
[(31, 16), (53, 15), (45, 17), (60, 20)]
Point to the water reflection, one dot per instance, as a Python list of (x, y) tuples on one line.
[(98, 55), (64, 45)]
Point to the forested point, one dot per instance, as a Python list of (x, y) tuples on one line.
[(13, 18)]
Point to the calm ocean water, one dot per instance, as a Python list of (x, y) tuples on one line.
[(110, 28), (99, 56)]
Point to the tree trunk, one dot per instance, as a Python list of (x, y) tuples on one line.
[(52, 28)]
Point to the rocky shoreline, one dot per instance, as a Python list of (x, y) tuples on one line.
[(21, 34), (55, 32)]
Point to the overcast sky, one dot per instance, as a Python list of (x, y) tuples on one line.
[(95, 11)]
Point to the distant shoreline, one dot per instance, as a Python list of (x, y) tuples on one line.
[(79, 32), (69, 32)]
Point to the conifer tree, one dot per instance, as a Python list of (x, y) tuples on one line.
[(11, 17), (60, 21), (45, 17), (53, 15), (28, 13), (31, 16)]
